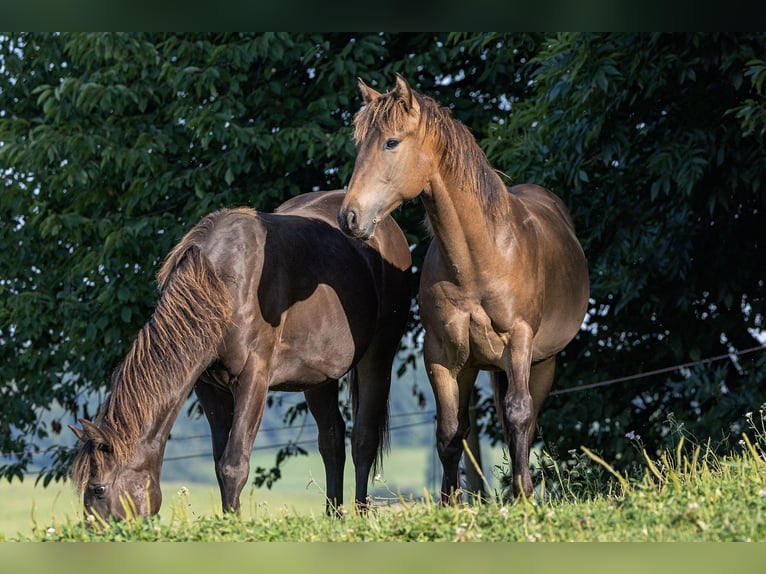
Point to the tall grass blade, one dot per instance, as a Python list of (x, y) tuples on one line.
[(653, 468), (752, 450), (476, 465), (623, 483)]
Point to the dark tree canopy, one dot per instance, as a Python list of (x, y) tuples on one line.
[(642, 135), (112, 145)]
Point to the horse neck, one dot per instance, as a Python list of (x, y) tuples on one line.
[(158, 432), (152, 424), (460, 224)]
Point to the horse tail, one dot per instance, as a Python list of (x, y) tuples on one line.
[(384, 438)]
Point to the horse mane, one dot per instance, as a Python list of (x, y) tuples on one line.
[(462, 159), (187, 325)]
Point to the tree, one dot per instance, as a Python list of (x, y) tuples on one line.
[(655, 141)]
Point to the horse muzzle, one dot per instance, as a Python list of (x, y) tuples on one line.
[(350, 223)]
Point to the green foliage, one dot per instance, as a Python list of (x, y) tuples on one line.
[(268, 476), (113, 144), (646, 139)]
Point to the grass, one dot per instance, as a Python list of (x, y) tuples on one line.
[(27, 508), (689, 494)]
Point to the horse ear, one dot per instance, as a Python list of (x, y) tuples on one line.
[(79, 433), (368, 93), (404, 92), (92, 432)]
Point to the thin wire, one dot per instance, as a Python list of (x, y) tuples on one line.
[(656, 371), (430, 414), (282, 428), (299, 442)]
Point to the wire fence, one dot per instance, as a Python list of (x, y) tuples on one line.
[(654, 372), (427, 417)]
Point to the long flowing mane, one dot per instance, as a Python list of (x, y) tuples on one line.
[(187, 324), (461, 158)]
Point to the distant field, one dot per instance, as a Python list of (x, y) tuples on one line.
[(407, 471)]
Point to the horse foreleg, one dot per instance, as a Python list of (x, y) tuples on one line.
[(540, 383), (452, 394), (249, 402), (218, 406), (518, 407), (323, 404)]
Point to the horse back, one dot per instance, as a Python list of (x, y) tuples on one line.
[(306, 293), (389, 240)]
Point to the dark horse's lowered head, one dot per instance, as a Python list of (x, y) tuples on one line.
[(252, 302), (504, 285)]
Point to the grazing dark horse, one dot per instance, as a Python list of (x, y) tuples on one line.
[(252, 302), (504, 285)]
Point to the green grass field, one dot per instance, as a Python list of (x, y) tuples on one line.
[(689, 494), (407, 472)]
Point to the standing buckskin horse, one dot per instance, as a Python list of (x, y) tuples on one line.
[(252, 302), (504, 284)]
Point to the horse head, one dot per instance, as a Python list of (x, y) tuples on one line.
[(393, 162), (115, 482)]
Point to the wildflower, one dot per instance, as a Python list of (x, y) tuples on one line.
[(503, 512), (762, 492), (90, 518), (183, 491), (376, 478), (693, 505), (51, 530)]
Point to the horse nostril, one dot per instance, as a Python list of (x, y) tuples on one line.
[(348, 221)]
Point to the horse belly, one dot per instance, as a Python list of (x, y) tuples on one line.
[(315, 345), (566, 303), (553, 335)]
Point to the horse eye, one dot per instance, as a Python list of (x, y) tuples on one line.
[(391, 143), (98, 489)]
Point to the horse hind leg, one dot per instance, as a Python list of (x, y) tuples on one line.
[(323, 403), (370, 384)]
